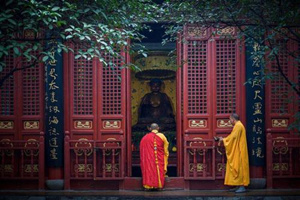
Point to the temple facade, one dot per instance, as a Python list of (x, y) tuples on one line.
[(68, 124)]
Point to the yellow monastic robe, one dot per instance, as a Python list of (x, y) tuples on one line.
[(237, 167), (166, 149)]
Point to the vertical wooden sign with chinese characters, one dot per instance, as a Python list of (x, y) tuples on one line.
[(54, 108), (255, 109)]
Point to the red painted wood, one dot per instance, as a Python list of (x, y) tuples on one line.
[(97, 97), (22, 103), (213, 77), (277, 106), (67, 77), (269, 160), (9, 101), (282, 159), (42, 161), (67, 161), (179, 97), (128, 156), (26, 160)]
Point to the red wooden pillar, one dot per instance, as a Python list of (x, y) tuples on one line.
[(269, 160), (67, 160), (127, 147), (179, 96)]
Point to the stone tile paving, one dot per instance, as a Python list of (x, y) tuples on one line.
[(146, 198)]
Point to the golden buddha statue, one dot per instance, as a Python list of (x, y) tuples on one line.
[(155, 107)]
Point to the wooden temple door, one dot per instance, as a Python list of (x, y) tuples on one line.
[(22, 123), (282, 107), (95, 116), (212, 89)]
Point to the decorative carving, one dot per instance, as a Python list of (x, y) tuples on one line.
[(280, 146), (83, 146), (223, 123), (197, 143), (31, 168), (109, 151), (31, 124), (31, 143), (197, 32), (280, 166), (7, 144), (108, 168), (221, 167), (194, 123), (112, 124), (226, 31), (280, 123), (6, 168), (83, 168), (6, 124), (199, 167), (83, 124)]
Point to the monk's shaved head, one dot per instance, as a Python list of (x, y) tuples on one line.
[(154, 126), (235, 116)]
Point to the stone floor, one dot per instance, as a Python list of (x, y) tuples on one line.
[(263, 194)]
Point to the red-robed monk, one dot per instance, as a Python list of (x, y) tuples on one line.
[(237, 166), (154, 158)]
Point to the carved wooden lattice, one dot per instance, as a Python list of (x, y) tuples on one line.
[(197, 77), (111, 86), (83, 85), (31, 88), (225, 76), (279, 87), (7, 90)]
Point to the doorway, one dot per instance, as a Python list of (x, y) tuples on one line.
[(156, 67)]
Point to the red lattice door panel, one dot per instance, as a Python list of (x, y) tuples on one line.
[(21, 119), (196, 104), (228, 66), (213, 78), (96, 104), (22, 100), (8, 104), (281, 100), (81, 103), (95, 113), (112, 98), (32, 98)]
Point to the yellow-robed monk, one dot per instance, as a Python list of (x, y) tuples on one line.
[(237, 166)]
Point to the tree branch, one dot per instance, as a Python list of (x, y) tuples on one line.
[(2, 80)]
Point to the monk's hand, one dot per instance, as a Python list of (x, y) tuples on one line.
[(221, 139)]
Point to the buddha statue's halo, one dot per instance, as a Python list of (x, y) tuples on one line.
[(155, 66)]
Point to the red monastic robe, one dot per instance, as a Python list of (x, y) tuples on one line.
[(154, 159)]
